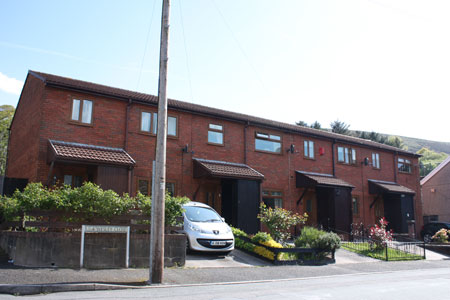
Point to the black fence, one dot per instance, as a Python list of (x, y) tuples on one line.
[(400, 248)]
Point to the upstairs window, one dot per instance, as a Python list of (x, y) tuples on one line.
[(308, 149), (272, 199), (404, 165), (149, 123), (267, 142), (215, 134), (376, 160), (346, 155), (82, 111), (172, 126)]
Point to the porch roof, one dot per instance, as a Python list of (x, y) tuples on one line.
[(309, 179), (65, 151), (223, 169), (379, 186)]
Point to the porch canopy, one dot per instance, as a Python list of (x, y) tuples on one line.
[(223, 169), (60, 151), (380, 187), (309, 180)]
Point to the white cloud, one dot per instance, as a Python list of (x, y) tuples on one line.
[(10, 85)]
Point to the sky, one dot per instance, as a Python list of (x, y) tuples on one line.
[(377, 65)]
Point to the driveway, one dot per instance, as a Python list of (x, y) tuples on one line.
[(235, 259), (241, 259)]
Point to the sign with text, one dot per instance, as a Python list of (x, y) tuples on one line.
[(105, 229)]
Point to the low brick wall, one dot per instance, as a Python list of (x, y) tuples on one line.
[(52, 249)]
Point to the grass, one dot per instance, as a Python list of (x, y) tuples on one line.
[(392, 254)]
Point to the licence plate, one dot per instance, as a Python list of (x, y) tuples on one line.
[(218, 243)]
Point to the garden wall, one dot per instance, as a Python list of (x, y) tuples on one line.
[(54, 249)]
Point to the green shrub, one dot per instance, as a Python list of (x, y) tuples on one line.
[(279, 221), (308, 237), (261, 237), (311, 237), (89, 200), (237, 232), (241, 244)]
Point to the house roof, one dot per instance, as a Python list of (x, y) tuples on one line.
[(90, 153), (389, 187), (435, 171), (222, 169), (89, 87), (309, 179)]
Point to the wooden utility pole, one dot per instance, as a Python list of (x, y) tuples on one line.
[(159, 190)]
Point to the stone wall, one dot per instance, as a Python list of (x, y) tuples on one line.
[(52, 249)]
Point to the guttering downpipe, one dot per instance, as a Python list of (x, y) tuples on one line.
[(333, 159), (127, 117), (245, 141), (395, 166)]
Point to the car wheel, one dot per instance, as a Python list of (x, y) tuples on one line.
[(427, 238)]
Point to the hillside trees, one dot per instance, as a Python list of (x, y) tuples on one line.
[(430, 160), (6, 115)]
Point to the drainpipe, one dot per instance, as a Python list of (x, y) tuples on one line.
[(130, 170), (333, 159), (245, 141), (127, 116), (395, 166)]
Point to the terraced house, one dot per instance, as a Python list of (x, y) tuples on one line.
[(71, 131)]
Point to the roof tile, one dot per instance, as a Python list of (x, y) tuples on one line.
[(92, 153)]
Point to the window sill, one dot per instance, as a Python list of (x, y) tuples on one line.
[(268, 152), (81, 124), (309, 158), (214, 144)]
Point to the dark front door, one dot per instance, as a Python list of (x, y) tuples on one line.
[(240, 203), (398, 210), (334, 208), (325, 207)]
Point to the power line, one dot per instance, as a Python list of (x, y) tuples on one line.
[(145, 47), (186, 53), (239, 46)]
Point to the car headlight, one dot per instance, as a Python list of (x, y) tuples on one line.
[(194, 227), (228, 230)]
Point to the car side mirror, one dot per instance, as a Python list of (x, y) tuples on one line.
[(223, 219)]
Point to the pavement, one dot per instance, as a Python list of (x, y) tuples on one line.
[(200, 269)]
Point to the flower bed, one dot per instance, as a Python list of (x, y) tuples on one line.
[(263, 246)]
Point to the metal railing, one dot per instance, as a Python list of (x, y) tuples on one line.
[(402, 248)]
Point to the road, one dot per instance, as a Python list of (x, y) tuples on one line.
[(408, 285)]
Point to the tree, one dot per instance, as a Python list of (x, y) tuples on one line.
[(340, 127), (395, 141), (6, 115), (429, 160), (301, 123), (316, 125)]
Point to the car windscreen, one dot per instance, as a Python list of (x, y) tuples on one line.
[(201, 214)]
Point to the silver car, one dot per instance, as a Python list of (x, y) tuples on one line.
[(206, 230)]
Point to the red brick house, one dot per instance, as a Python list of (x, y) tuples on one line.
[(436, 193), (70, 131)]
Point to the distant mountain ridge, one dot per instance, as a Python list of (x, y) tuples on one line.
[(415, 144)]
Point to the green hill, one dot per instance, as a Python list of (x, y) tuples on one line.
[(415, 145)]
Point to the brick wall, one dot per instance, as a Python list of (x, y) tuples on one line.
[(436, 195), (109, 129)]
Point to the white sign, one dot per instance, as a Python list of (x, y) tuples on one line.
[(105, 229)]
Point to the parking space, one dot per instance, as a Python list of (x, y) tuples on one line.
[(235, 259)]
